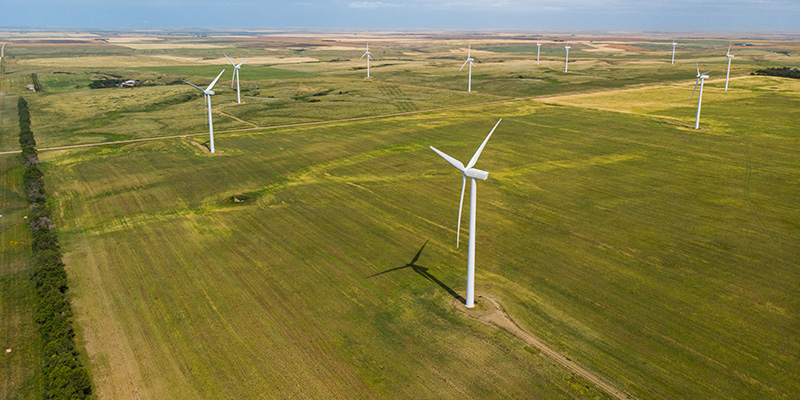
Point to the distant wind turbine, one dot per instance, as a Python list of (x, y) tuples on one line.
[(369, 57), (472, 173), (566, 60), (673, 51), (538, 50), (728, 76), (701, 78), (470, 62), (236, 76), (207, 93)]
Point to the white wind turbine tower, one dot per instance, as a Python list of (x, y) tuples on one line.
[(701, 78), (207, 93), (369, 57), (538, 50), (566, 60), (728, 76), (470, 62), (236, 76), (673, 51), (472, 173)]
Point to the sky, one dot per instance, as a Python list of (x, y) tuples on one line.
[(536, 16)]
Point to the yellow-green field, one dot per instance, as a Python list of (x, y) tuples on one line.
[(660, 257)]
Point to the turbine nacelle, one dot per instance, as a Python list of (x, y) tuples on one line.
[(209, 92), (476, 173)]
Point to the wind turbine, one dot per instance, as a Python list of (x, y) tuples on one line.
[(236, 76), (472, 173), (538, 50), (369, 57), (207, 93), (673, 51), (470, 62), (728, 76), (566, 60), (701, 78)]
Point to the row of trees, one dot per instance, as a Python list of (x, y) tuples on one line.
[(785, 72), (37, 86), (64, 376)]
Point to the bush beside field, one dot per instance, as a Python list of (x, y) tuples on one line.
[(64, 376)]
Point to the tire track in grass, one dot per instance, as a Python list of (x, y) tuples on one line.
[(494, 314), (746, 189)]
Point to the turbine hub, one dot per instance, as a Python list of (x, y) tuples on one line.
[(209, 92)]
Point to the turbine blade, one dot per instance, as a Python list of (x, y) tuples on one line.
[(460, 206), (480, 149), (362, 57), (697, 66), (240, 64), (416, 257), (369, 56), (229, 60), (473, 64), (194, 86), (449, 159), (695, 87), (464, 65), (215, 80), (707, 72), (233, 77), (729, 50)]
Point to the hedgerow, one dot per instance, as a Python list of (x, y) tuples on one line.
[(64, 376)]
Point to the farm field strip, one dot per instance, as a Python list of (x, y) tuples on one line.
[(556, 99), (258, 128)]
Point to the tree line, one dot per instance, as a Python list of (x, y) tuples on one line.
[(64, 375), (785, 72)]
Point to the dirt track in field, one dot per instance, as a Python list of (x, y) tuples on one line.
[(492, 313)]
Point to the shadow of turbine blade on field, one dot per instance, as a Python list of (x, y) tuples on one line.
[(422, 271)]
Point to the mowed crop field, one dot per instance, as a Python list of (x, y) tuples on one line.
[(663, 258), (405, 77)]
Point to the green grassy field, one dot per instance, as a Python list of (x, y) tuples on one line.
[(660, 257), (254, 72), (304, 92)]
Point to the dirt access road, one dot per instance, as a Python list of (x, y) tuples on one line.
[(489, 311)]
